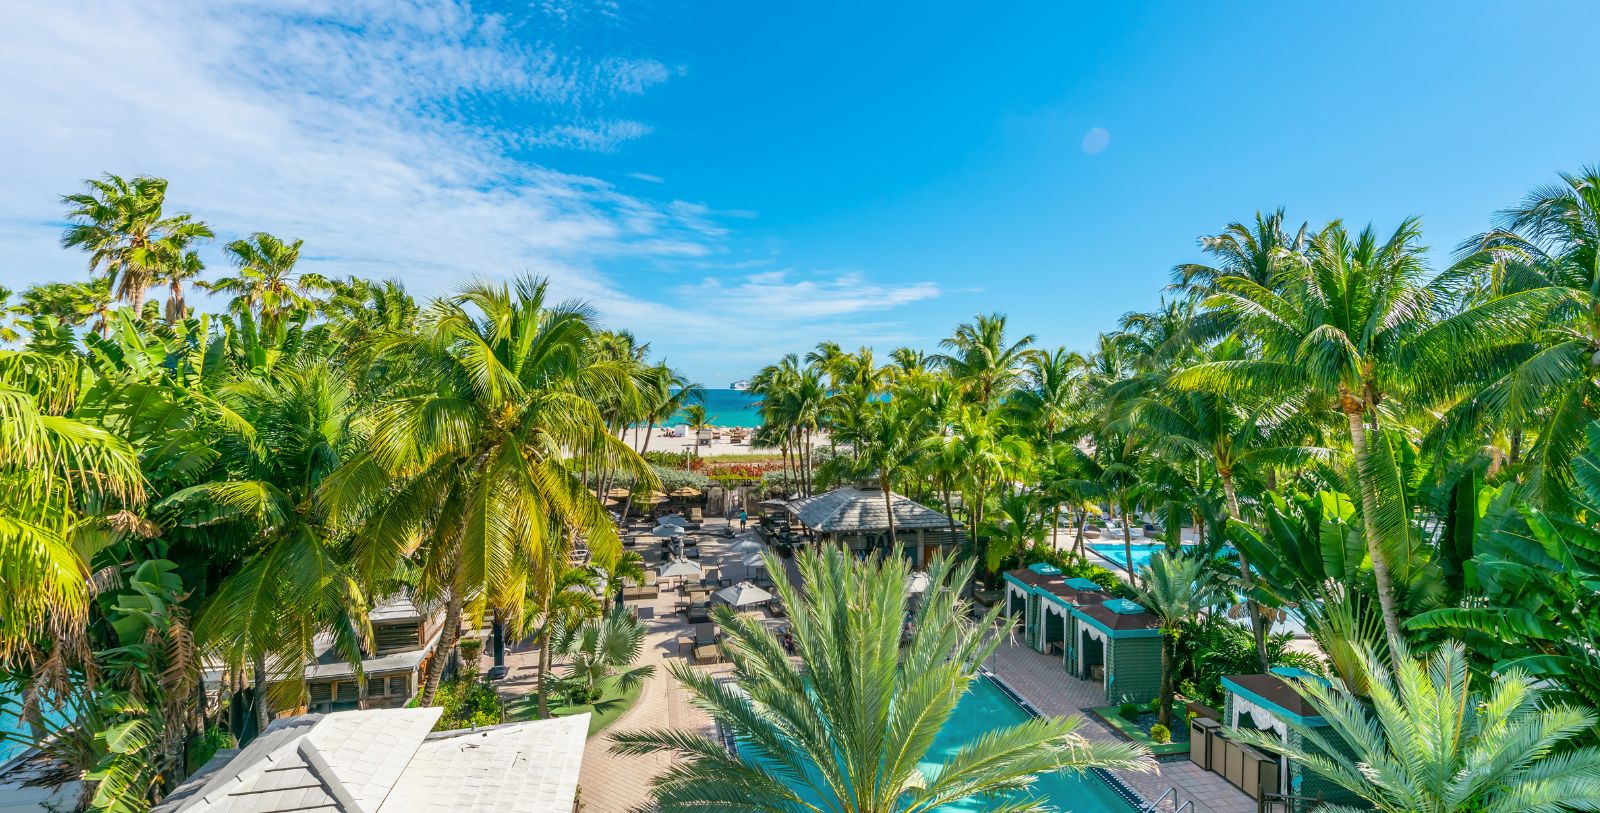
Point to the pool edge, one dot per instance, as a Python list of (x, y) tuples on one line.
[(1122, 789)]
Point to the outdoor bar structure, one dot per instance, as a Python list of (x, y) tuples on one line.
[(858, 518), (1107, 640)]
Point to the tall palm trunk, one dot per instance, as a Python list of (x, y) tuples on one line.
[(263, 715), (1127, 545), (441, 651), (888, 507), (1258, 629), (1080, 517), (541, 693), (1369, 507), (1164, 710), (1055, 526)]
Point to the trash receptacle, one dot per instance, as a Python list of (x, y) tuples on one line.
[(1200, 737), (1260, 773), (1233, 763)]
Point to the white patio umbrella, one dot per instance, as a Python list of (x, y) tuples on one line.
[(918, 583), (743, 594), (746, 546), (675, 520), (753, 560), (666, 530), (679, 568)]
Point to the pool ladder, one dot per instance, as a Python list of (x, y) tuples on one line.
[(1179, 805)]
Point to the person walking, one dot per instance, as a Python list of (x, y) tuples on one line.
[(744, 517)]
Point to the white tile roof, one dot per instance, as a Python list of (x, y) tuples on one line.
[(517, 768), (384, 761)]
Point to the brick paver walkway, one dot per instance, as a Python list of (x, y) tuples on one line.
[(1042, 682)]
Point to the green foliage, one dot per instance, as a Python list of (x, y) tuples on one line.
[(806, 734), (468, 701), (1130, 711), (1160, 734), (1421, 737), (1213, 647)]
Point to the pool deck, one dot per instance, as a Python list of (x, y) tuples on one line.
[(1040, 680), (615, 784)]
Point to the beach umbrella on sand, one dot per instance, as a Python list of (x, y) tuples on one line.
[(665, 529), (743, 594), (675, 520), (679, 568)]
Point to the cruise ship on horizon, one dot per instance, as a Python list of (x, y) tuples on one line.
[(741, 385)]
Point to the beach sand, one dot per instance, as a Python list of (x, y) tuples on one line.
[(719, 447)]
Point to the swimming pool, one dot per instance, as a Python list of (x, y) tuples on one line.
[(1142, 551), (984, 708)]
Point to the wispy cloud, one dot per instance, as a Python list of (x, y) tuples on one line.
[(395, 137), (646, 177)]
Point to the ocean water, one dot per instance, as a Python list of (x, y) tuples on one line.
[(727, 408)]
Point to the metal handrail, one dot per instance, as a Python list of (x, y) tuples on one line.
[(1152, 807)]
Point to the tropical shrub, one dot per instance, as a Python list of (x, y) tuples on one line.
[(1160, 734), (468, 701)]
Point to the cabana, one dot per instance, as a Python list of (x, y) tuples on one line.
[(1119, 642), (1270, 703), (858, 519), (1045, 599)]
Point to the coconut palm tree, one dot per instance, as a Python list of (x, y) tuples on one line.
[(1340, 325), (979, 357), (1176, 588), (695, 417), (295, 426), (891, 445), (124, 227), (474, 463), (1231, 437), (1421, 739), (57, 473), (851, 726), (1256, 252), (267, 285)]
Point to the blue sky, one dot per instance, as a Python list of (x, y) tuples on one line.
[(737, 180)]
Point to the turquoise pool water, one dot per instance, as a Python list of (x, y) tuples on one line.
[(985, 708), (1142, 551)]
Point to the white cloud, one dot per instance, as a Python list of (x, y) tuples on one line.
[(393, 137), (646, 177)]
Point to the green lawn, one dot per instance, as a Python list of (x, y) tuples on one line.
[(611, 706)]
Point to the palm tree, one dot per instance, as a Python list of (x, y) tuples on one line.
[(851, 726), (124, 228), (56, 473), (1255, 252), (1544, 302), (474, 465), (559, 598), (694, 415), (891, 445), (1015, 528), (295, 582), (1229, 436), (175, 274), (1420, 739), (979, 357), (267, 286), (601, 648), (1176, 588), (1340, 325)]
